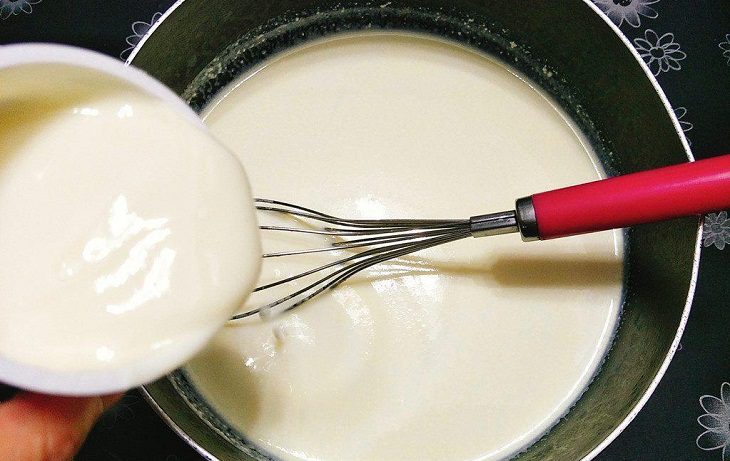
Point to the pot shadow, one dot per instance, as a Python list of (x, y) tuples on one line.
[(547, 272), (559, 272)]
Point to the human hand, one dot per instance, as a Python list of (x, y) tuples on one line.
[(38, 427)]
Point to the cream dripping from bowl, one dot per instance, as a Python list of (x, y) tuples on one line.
[(468, 351), (128, 235)]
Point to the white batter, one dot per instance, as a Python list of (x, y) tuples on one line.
[(127, 234), (468, 351)]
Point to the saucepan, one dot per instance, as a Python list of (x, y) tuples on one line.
[(573, 53)]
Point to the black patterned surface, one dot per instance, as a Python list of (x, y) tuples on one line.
[(692, 64)]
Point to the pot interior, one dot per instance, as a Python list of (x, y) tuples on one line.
[(571, 53)]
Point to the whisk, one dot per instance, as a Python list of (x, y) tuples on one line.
[(649, 196)]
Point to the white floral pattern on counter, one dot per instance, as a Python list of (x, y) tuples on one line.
[(12, 7), (660, 53), (716, 230), (139, 29), (629, 11), (686, 126), (680, 112), (716, 421), (725, 47)]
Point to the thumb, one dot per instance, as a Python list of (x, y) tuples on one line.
[(38, 427)]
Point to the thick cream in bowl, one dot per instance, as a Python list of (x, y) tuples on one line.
[(468, 351), (128, 235)]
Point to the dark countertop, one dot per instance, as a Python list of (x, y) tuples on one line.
[(696, 78)]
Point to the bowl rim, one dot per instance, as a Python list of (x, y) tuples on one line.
[(695, 260)]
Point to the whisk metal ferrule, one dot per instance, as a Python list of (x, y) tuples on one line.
[(522, 220), (504, 222)]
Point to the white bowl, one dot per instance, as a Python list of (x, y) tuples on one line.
[(96, 381)]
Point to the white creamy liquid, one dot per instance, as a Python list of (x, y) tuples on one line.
[(468, 351), (127, 234)]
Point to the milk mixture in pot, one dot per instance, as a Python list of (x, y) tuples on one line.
[(468, 351)]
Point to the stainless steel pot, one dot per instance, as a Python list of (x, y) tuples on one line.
[(566, 47)]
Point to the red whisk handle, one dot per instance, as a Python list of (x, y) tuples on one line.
[(680, 190)]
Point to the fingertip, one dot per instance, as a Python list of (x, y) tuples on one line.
[(36, 427)]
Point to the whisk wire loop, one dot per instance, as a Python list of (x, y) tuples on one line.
[(380, 240)]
